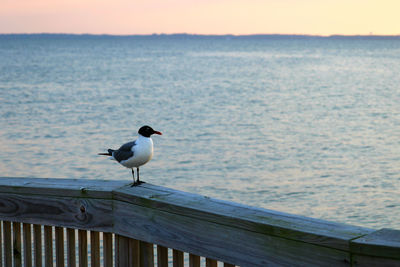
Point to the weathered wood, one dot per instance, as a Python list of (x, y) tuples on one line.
[(59, 234), (37, 239), (94, 249), (48, 246), (83, 250), (218, 241), (384, 243), (211, 263), (162, 256), (116, 250), (107, 250), (220, 230), (127, 252), (146, 254), (279, 224), (27, 237), (7, 244), (71, 248), (134, 252), (85, 188), (194, 260), (17, 251), (1, 244), (81, 213), (372, 261), (177, 257)]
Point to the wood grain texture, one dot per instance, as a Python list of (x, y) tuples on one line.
[(17, 245), (288, 226), (83, 248), (107, 250), (81, 213), (59, 238), (177, 256), (216, 241), (94, 249), (1, 244), (371, 261), (27, 237), (194, 260), (211, 263), (7, 244), (71, 248), (383, 243), (162, 256), (37, 245), (216, 229), (146, 253), (134, 252), (86, 188), (48, 246)]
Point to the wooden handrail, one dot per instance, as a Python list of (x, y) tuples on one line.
[(219, 230)]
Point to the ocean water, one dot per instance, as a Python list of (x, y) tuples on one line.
[(308, 126)]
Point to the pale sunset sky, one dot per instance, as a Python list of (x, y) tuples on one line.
[(124, 17)]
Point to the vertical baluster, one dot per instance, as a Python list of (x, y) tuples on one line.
[(107, 250), (146, 254), (121, 251), (59, 232), (7, 244), (71, 255), (228, 265), (37, 237), (134, 253), (211, 263), (177, 257), (1, 245), (82, 240), (95, 249), (48, 246), (17, 251), (27, 245), (162, 256), (194, 260)]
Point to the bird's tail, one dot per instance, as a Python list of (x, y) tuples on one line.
[(109, 153)]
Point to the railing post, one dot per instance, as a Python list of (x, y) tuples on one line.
[(146, 254), (48, 246), (17, 251), (71, 253), (162, 256), (27, 229), (107, 250), (37, 237), (95, 249), (83, 251)]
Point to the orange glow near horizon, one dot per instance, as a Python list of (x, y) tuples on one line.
[(312, 17)]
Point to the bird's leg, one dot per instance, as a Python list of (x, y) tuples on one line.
[(137, 171), (133, 176), (138, 181)]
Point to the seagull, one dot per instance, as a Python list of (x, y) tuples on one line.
[(136, 153)]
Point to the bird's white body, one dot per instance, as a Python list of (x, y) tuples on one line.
[(142, 153)]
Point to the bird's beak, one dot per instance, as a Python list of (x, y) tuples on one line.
[(157, 132)]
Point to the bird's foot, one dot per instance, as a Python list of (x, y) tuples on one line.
[(136, 183)]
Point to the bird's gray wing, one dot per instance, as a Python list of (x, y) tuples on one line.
[(124, 152)]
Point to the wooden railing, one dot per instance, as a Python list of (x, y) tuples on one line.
[(69, 222)]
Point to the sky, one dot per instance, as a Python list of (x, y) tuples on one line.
[(125, 17)]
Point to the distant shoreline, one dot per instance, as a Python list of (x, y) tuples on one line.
[(200, 36)]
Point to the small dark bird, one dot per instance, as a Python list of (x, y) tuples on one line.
[(136, 153)]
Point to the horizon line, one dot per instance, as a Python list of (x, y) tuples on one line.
[(209, 35)]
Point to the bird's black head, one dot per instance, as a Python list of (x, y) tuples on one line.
[(147, 131)]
